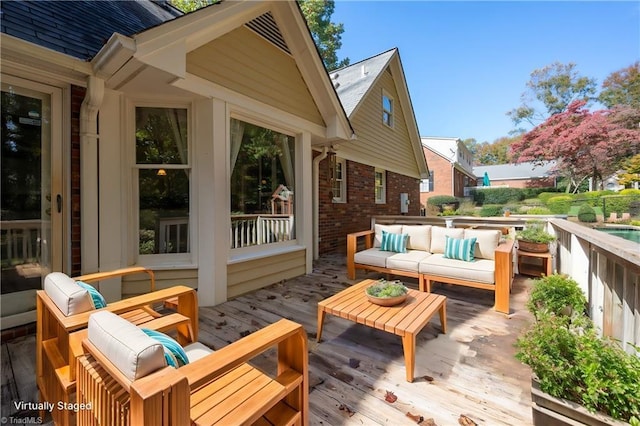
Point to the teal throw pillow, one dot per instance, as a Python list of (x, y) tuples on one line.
[(394, 242), (96, 297), (460, 248), (174, 354)]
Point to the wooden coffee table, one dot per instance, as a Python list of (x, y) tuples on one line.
[(404, 320)]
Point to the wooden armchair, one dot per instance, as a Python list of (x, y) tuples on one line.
[(219, 388), (56, 353)]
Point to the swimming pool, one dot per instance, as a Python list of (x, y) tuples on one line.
[(631, 234)]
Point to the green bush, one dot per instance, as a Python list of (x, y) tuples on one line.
[(560, 204), (532, 202), (439, 200), (557, 295), (544, 196), (501, 195), (538, 211), (490, 211), (618, 203), (630, 191), (466, 208), (586, 214)]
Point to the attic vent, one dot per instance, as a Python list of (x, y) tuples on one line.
[(266, 27)]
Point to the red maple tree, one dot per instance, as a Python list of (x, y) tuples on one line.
[(583, 143)]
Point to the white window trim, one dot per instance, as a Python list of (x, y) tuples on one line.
[(391, 113), (383, 199), (258, 251), (343, 181), (180, 260)]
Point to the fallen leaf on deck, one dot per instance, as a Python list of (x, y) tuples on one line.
[(430, 422), (347, 410), (220, 324), (390, 397), (255, 323), (466, 421), (354, 363), (245, 333), (271, 297), (428, 378), (415, 417), (221, 314)]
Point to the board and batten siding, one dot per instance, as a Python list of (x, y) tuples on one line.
[(133, 285), (376, 143), (251, 275), (244, 62)]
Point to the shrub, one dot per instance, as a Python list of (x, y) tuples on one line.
[(532, 202), (586, 214), (618, 203), (502, 195), (560, 204), (466, 208), (490, 211), (538, 211), (557, 295), (630, 191), (544, 196)]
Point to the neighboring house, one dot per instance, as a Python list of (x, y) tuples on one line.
[(519, 175), (450, 163), (135, 135), (379, 172)]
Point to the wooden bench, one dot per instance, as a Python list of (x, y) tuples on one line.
[(221, 388), (55, 354)]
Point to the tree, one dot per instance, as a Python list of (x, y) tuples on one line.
[(622, 87), (326, 34), (585, 144), (555, 86), (496, 152), (631, 171)]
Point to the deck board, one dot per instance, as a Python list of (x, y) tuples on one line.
[(471, 370)]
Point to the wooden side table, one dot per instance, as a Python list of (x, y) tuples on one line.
[(541, 265)]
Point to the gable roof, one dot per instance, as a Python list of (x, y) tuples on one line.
[(452, 150), (526, 170), (80, 28), (354, 81)]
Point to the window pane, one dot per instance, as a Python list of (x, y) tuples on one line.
[(386, 104), (161, 136), (262, 185), (164, 211)]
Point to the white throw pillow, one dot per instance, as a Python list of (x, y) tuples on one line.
[(487, 241), (392, 229), (68, 296), (438, 234), (419, 236)]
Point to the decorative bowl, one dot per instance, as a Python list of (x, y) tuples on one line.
[(387, 293)]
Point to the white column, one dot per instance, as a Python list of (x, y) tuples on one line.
[(304, 197)]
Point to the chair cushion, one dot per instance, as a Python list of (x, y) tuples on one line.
[(67, 295), (396, 243), (407, 261), (96, 298), (419, 237), (174, 353), (437, 237), (479, 270), (197, 350), (373, 257), (487, 241), (459, 248), (132, 352), (393, 229)]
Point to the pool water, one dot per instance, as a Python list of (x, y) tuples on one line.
[(626, 233)]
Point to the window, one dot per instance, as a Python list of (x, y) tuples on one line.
[(262, 185), (163, 171), (387, 109), (340, 181), (426, 185), (432, 180), (380, 186)]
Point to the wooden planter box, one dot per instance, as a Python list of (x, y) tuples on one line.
[(532, 247), (550, 411)]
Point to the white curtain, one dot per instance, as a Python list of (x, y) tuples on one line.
[(286, 162), (237, 131)]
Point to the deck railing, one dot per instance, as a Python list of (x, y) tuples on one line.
[(251, 230), (608, 271)]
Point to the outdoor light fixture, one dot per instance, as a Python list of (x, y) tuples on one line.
[(162, 172)]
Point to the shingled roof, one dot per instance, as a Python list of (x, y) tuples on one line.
[(526, 170), (353, 82), (80, 28)]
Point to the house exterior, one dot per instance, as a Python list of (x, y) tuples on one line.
[(451, 166), (519, 175), (379, 172), (136, 135)]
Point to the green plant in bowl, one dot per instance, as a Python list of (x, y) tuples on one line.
[(534, 232), (387, 289)]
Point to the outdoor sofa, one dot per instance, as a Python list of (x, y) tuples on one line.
[(423, 252)]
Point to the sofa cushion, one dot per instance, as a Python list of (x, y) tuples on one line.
[(96, 298), (459, 248), (479, 270), (393, 229), (132, 352), (174, 353), (437, 237), (407, 261), (419, 237), (67, 295), (197, 350), (487, 241), (394, 242), (373, 257)]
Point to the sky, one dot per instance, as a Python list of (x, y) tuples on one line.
[(467, 63)]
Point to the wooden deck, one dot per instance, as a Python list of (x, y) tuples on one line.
[(470, 371)]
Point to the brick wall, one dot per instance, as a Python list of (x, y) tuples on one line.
[(442, 176), (77, 96), (336, 220)]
